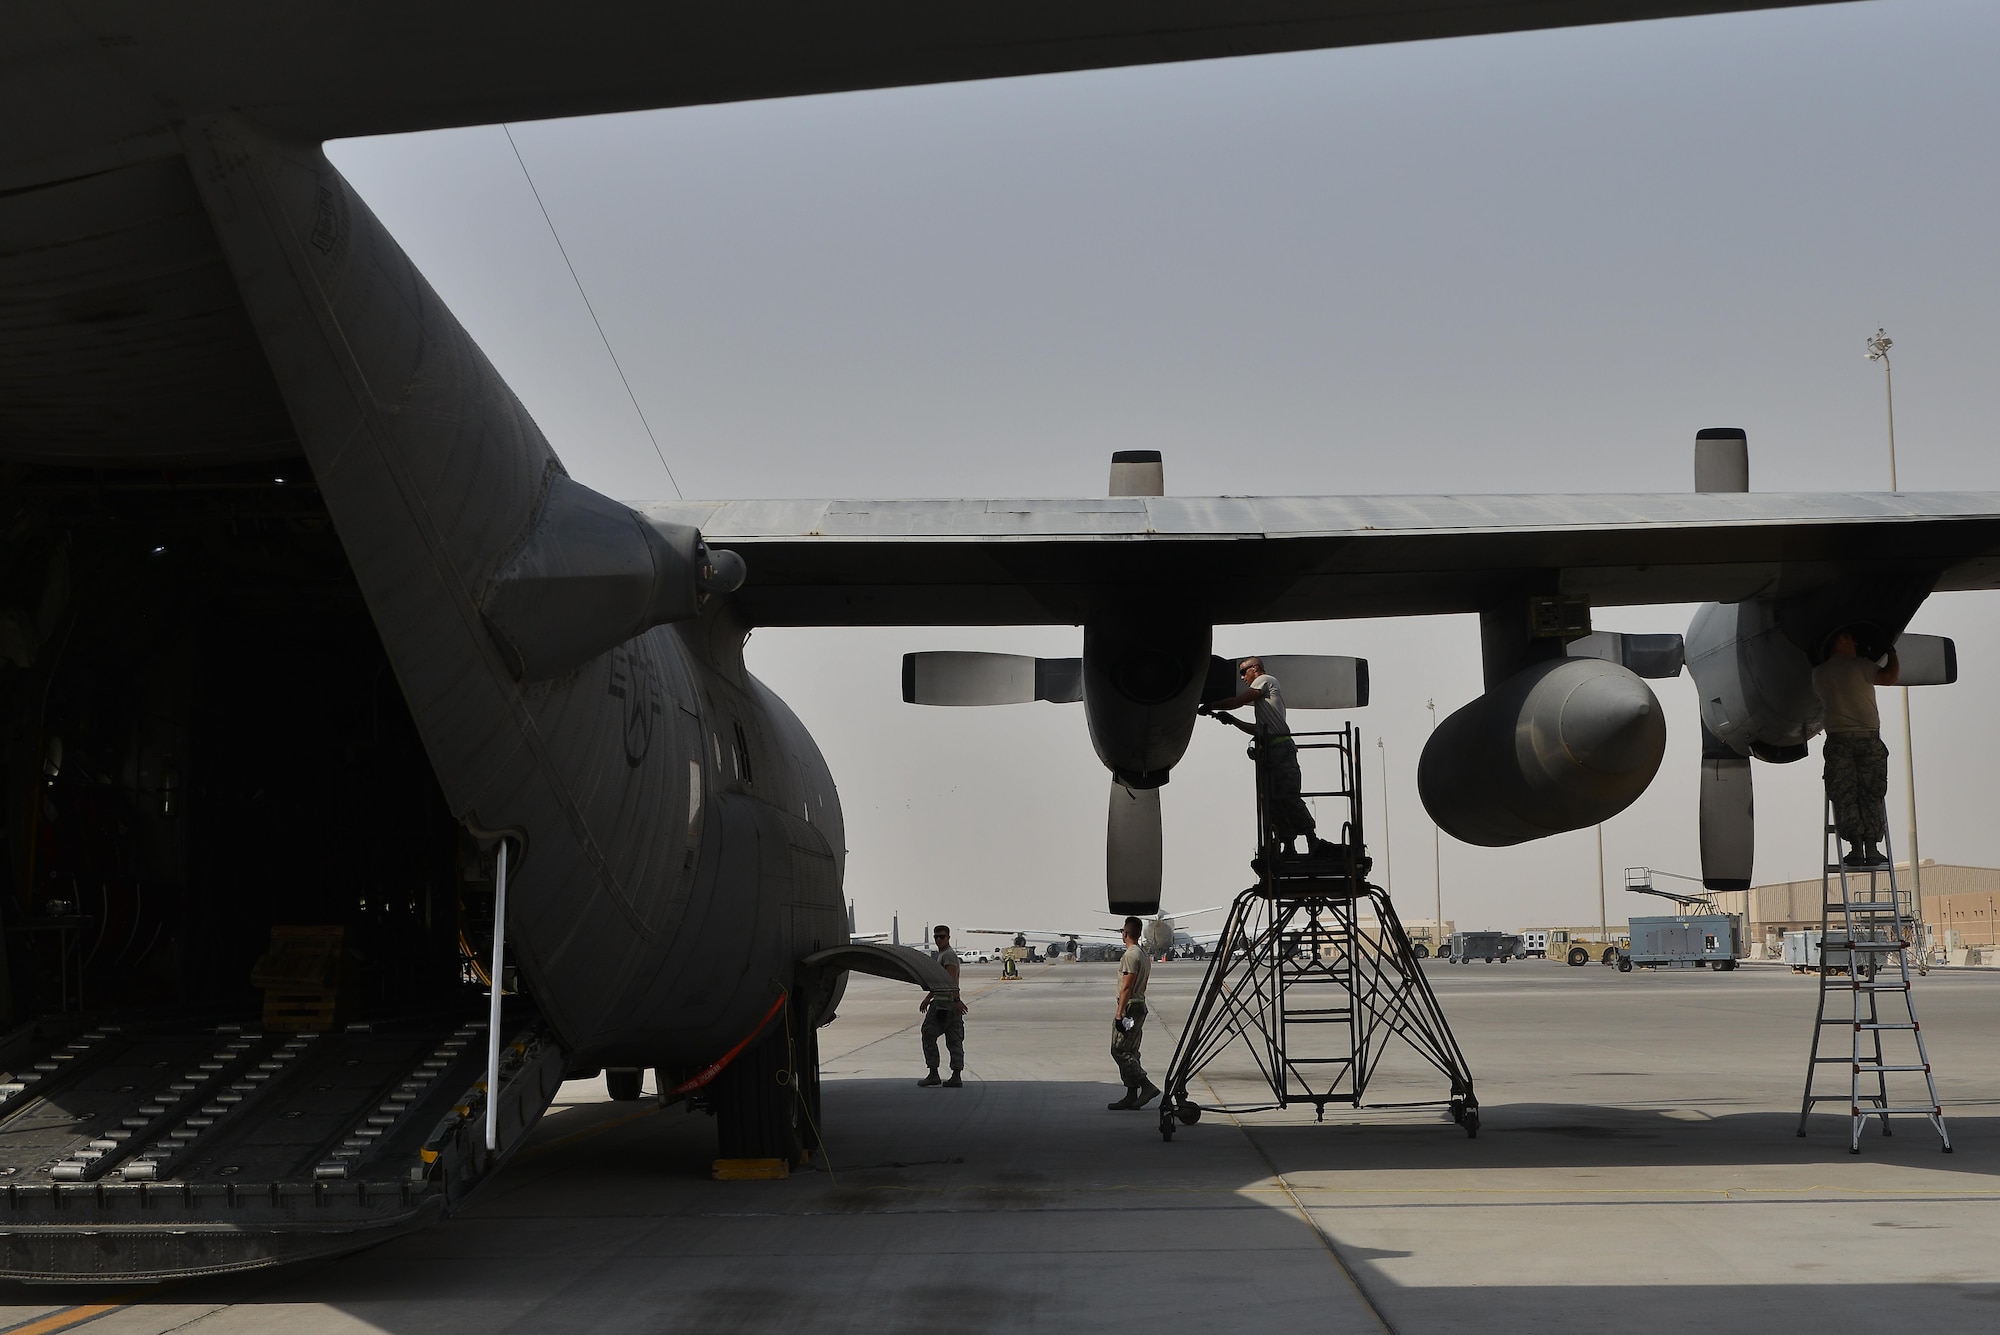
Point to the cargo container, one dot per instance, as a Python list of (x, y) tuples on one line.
[(1688, 941)]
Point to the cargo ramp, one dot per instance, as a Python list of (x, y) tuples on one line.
[(155, 1148)]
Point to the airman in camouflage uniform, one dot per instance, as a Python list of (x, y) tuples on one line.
[(1857, 763)]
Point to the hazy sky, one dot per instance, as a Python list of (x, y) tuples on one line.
[(1505, 264)]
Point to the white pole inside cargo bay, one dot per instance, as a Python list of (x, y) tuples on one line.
[(493, 1007)]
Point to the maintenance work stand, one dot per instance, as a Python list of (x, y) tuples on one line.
[(1315, 991), (1867, 928)]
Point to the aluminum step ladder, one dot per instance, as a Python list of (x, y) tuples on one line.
[(1866, 932)]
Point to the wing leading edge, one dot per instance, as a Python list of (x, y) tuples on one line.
[(1236, 560)]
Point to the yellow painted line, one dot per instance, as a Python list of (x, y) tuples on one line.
[(71, 1317)]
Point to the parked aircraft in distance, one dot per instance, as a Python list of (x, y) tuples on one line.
[(1163, 936)]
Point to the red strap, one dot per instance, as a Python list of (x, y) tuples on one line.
[(714, 1068)]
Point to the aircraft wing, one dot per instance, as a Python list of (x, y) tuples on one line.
[(378, 66), (1237, 560)]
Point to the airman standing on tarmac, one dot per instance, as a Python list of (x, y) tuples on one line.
[(944, 1016), (1128, 1024)]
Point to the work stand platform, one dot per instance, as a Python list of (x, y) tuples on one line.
[(1315, 975)]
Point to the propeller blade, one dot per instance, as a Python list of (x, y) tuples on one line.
[(1927, 660), (1319, 681), (952, 677), (1132, 860), (1728, 818)]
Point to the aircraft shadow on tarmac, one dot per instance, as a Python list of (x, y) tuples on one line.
[(608, 1221), (1556, 1136)]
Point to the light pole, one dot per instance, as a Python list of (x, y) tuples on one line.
[(1603, 918), (1437, 868), (1878, 351), (1388, 878)]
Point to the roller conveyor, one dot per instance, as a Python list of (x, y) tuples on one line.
[(153, 1149)]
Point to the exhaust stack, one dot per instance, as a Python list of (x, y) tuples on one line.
[(1721, 459)]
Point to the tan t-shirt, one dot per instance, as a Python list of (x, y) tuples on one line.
[(1846, 686), (1140, 965), (947, 959), (1271, 709)]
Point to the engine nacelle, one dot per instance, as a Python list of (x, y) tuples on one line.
[(1561, 745), (1142, 677), (1754, 682)]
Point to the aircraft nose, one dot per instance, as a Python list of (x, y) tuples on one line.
[(1612, 724)]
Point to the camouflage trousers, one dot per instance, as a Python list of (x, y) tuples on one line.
[(1857, 780), (942, 1020), (1125, 1047), (1288, 813)]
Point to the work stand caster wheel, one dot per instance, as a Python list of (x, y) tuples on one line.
[(1189, 1113), (1166, 1124), (1458, 1111), (1471, 1123)]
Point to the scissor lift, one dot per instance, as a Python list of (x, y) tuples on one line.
[(1316, 993)]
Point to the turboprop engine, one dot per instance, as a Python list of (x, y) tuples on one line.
[(1752, 664), (1145, 667), (1562, 744), (1755, 684)]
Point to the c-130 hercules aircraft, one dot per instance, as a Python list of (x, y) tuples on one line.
[(305, 626)]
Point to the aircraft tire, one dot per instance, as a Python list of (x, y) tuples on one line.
[(767, 1102), (757, 1113), (624, 1083)]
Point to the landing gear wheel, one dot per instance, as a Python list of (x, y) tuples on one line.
[(757, 1105), (624, 1083)]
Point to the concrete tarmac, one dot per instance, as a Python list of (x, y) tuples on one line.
[(1637, 1167)]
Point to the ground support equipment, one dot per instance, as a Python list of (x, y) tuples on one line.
[(1866, 931), (1315, 990)]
